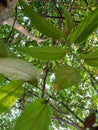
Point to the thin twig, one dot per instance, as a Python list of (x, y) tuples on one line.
[(59, 17), (68, 122), (66, 106), (12, 26), (57, 8), (72, 6), (59, 12), (82, 65), (92, 83), (21, 29), (45, 77)]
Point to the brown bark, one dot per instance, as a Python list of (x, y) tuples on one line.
[(6, 9)]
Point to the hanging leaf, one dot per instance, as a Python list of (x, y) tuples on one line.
[(41, 23), (9, 95), (35, 117), (46, 53), (85, 28), (66, 76), (18, 69), (4, 50), (69, 24)]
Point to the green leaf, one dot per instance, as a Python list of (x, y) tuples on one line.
[(92, 62), (91, 55), (91, 58), (4, 50), (85, 28), (9, 94), (2, 78), (35, 117), (19, 70), (69, 24), (46, 53), (66, 76), (41, 23)]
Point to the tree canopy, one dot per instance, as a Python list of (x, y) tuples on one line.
[(49, 65)]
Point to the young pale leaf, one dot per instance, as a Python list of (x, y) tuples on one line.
[(66, 76), (85, 28), (35, 117), (45, 53), (18, 69), (9, 94), (69, 24), (41, 23), (4, 50)]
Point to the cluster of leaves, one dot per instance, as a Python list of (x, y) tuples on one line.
[(62, 87)]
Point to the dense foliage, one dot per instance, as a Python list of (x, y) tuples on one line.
[(50, 82)]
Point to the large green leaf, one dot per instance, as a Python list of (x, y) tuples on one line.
[(18, 69), (9, 94), (46, 53), (41, 23), (66, 76), (85, 28), (4, 50), (35, 117)]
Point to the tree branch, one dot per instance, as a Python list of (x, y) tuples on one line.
[(45, 77)]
